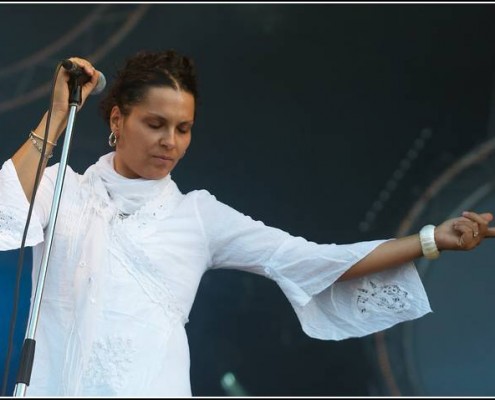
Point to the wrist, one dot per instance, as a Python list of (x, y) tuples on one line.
[(34, 135), (428, 242), (38, 145)]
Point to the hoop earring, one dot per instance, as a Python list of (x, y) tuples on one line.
[(112, 139)]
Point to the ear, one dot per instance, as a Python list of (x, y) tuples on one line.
[(115, 118)]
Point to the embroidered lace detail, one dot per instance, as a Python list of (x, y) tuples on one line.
[(10, 226), (109, 362), (133, 257), (155, 209), (389, 298), (137, 262)]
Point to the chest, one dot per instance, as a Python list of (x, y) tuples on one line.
[(157, 254)]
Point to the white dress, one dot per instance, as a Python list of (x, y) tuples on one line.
[(119, 288)]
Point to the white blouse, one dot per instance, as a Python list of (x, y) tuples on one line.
[(119, 288)]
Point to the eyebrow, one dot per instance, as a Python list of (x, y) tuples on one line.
[(161, 117)]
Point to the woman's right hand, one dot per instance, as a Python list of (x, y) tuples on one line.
[(60, 107), (27, 158)]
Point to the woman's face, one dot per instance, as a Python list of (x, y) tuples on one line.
[(155, 134)]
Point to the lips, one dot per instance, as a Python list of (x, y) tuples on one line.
[(163, 161), (165, 158)]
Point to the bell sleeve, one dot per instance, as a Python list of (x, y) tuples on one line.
[(307, 274), (14, 209)]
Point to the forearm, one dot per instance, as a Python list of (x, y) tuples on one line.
[(387, 255), (27, 158)]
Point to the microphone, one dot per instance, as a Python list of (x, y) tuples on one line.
[(73, 68)]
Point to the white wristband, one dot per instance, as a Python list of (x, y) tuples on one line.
[(427, 239)]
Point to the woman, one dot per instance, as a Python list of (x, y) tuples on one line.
[(130, 249)]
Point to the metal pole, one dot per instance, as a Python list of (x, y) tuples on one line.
[(27, 356)]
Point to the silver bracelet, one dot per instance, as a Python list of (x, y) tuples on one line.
[(38, 146), (40, 138), (428, 244)]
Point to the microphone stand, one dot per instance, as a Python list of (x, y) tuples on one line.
[(28, 348)]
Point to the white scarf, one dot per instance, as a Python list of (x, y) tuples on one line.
[(128, 195), (118, 196)]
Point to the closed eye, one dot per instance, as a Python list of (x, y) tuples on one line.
[(184, 128)]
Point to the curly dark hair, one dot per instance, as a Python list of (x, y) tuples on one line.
[(149, 69)]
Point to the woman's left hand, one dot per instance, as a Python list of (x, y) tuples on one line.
[(464, 233)]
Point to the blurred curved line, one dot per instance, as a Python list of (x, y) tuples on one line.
[(27, 98), (66, 38), (384, 364), (118, 36), (43, 89), (474, 156)]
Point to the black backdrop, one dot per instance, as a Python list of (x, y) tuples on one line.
[(325, 120)]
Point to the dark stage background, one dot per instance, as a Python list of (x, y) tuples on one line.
[(335, 122)]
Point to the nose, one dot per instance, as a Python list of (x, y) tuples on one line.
[(167, 139)]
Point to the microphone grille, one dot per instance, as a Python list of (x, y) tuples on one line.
[(100, 85)]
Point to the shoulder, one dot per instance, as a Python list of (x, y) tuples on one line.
[(200, 199), (210, 208), (204, 200), (201, 195)]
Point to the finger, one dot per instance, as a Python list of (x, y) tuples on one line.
[(85, 65), (467, 226), (466, 238), (461, 229), (480, 218), (487, 216), (88, 70), (465, 220), (490, 233), (482, 222), (91, 72)]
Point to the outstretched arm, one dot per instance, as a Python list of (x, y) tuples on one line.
[(462, 233)]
